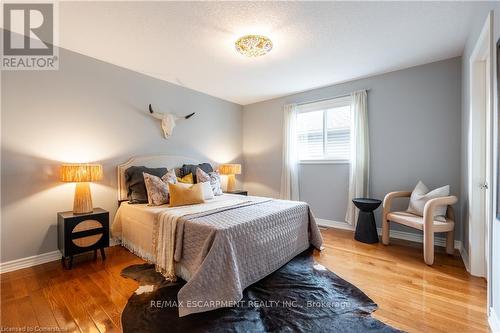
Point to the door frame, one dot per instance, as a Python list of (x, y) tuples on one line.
[(480, 152)]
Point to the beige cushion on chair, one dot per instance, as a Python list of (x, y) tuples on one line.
[(421, 194), (417, 222)]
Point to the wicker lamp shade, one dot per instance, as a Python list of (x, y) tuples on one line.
[(81, 174), (230, 169)]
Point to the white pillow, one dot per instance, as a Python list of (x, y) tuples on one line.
[(421, 195), (208, 193), (212, 177)]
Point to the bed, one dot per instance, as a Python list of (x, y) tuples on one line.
[(219, 247)]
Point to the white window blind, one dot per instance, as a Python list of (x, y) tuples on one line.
[(324, 130)]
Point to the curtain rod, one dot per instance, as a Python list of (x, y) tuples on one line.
[(326, 99)]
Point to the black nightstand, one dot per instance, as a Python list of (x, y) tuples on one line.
[(240, 192), (78, 233)]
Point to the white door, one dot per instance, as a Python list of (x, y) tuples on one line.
[(480, 152), (487, 186)]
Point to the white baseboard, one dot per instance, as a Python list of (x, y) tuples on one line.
[(334, 224), (409, 236), (14, 265), (39, 259), (419, 238), (493, 321), (114, 242)]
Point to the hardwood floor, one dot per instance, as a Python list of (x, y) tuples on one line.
[(411, 295)]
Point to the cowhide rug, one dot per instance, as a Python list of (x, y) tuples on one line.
[(301, 296)]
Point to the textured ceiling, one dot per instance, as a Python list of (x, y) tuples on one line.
[(315, 43)]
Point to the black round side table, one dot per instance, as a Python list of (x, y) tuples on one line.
[(366, 228)]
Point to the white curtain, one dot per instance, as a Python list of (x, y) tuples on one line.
[(360, 154), (289, 170)]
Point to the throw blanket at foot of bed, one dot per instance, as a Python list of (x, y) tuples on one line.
[(301, 296), (225, 250), (165, 229)]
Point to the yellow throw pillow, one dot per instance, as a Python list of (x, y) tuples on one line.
[(187, 179), (185, 194)]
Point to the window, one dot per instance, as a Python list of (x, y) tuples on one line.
[(324, 130)]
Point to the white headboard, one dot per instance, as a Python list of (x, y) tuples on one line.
[(152, 161)]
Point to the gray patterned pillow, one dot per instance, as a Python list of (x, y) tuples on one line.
[(170, 177), (212, 177), (136, 187), (157, 188)]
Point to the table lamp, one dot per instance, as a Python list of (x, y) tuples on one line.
[(81, 174), (230, 170)]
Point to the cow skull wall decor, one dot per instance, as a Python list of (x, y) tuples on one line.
[(168, 120)]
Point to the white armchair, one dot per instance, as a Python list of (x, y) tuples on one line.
[(427, 223)]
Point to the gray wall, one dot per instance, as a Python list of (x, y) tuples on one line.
[(414, 117), (91, 111), (471, 41)]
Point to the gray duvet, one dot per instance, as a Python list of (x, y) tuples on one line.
[(227, 250)]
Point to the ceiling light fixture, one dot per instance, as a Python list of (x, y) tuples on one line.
[(253, 45)]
